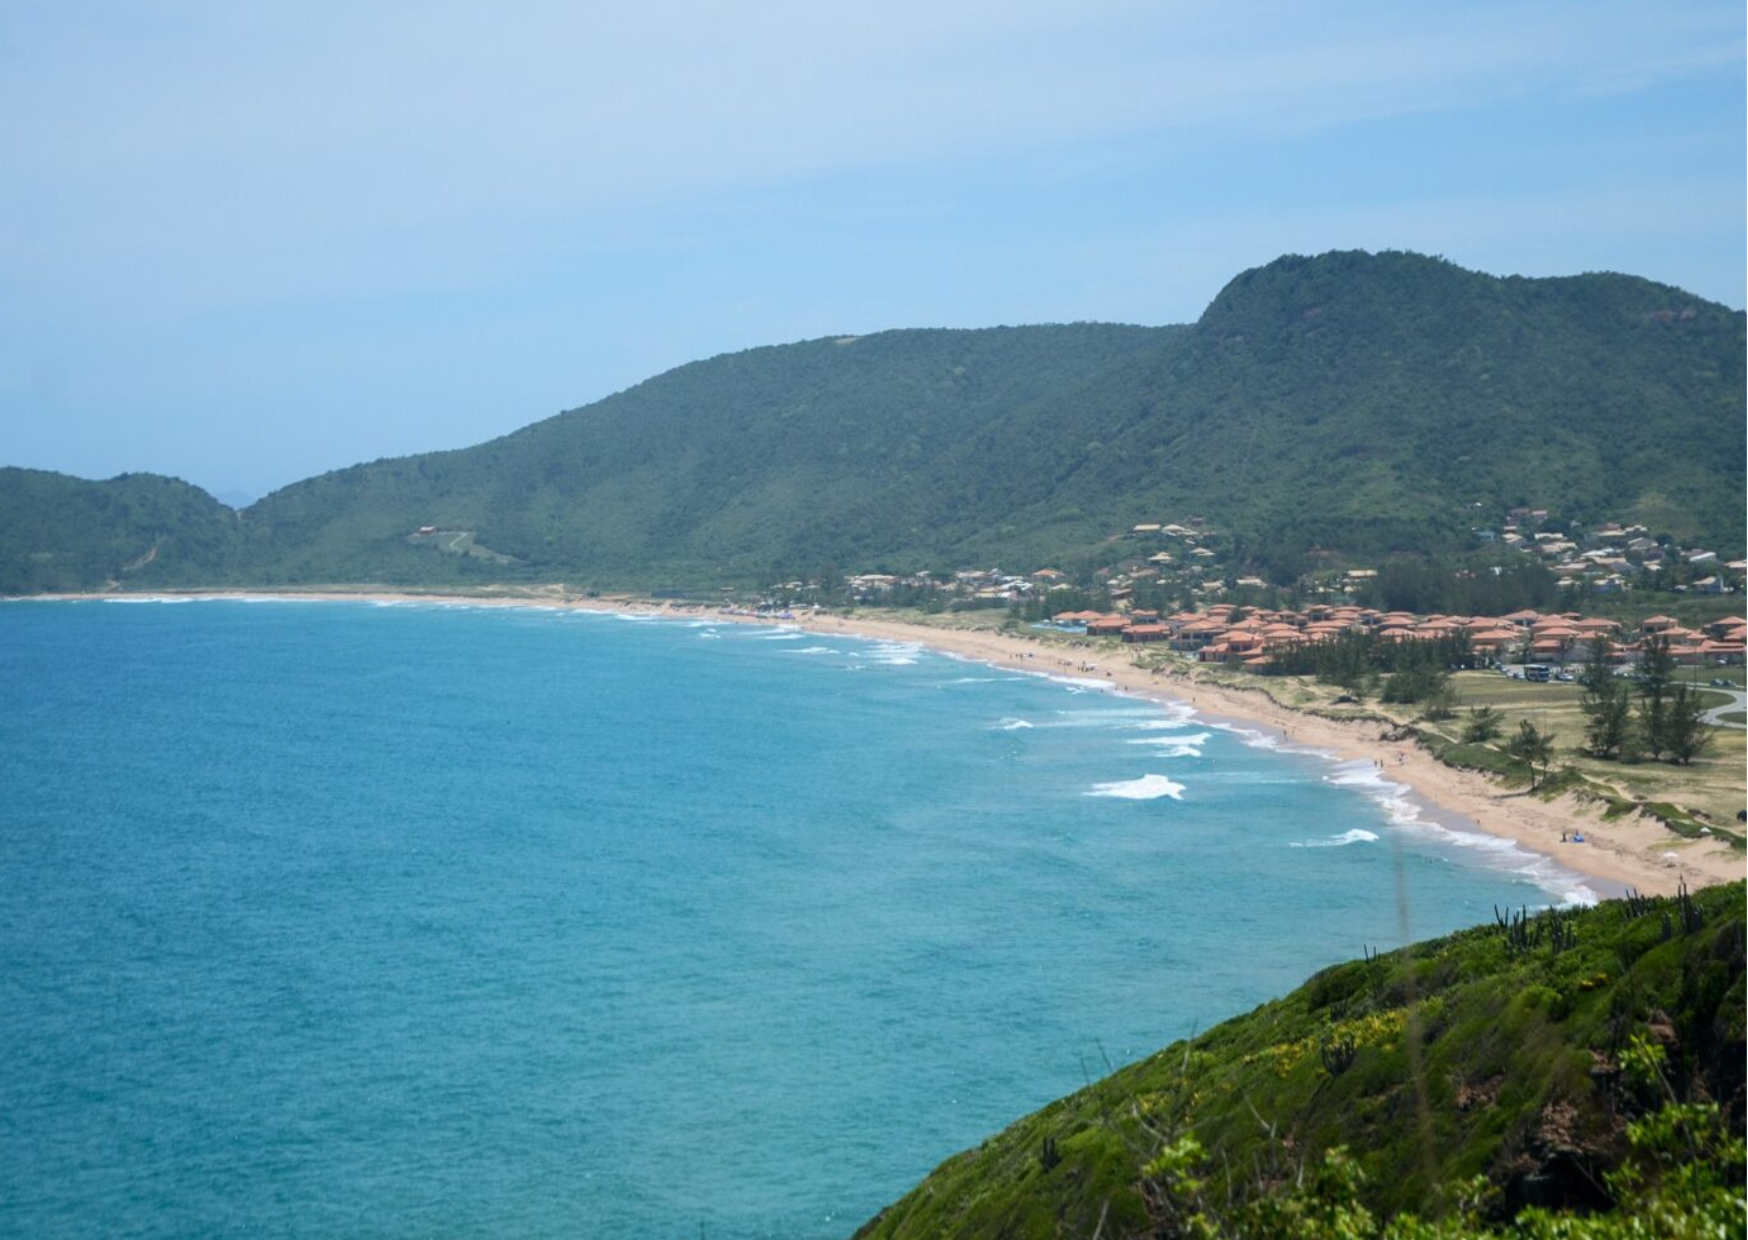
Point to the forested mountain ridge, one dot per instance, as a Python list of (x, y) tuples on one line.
[(62, 533), (1350, 401), (729, 469)]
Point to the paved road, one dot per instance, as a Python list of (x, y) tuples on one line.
[(1740, 703)]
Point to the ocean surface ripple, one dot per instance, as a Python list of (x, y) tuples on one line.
[(416, 921)]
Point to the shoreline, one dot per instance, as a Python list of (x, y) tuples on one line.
[(1632, 851), (1627, 852)]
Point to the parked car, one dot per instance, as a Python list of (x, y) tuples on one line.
[(1718, 682)]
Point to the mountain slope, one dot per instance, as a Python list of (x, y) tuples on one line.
[(1359, 401), (1521, 1058), (1351, 401), (731, 468), (61, 533)]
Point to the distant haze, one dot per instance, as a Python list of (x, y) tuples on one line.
[(245, 244)]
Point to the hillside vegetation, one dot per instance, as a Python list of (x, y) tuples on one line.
[(61, 533), (1561, 1074), (1351, 402)]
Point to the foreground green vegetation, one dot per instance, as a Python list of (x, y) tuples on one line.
[(1349, 405), (1549, 1075)]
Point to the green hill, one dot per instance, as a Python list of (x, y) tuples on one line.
[(1358, 401), (756, 463), (61, 533), (1351, 401), (1568, 1064)]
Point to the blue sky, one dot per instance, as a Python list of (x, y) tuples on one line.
[(242, 244)]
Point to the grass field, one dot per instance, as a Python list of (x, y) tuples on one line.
[(1714, 785)]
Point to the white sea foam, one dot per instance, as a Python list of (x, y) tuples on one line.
[(782, 637), (1111, 717), (1568, 888), (1391, 797), (1140, 715), (895, 654), (1080, 684), (1168, 750), (710, 635), (1012, 725), (1356, 836), (1495, 852), (1272, 741), (1175, 746), (1192, 740), (1147, 788), (150, 598), (814, 650)]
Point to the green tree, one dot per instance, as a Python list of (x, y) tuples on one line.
[(1347, 664), (1441, 703), (1532, 747), (1656, 677), (1685, 732), (1607, 703), (1483, 724)]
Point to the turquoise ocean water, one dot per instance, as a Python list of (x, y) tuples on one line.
[(331, 919)]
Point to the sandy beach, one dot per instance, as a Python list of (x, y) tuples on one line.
[(1630, 851)]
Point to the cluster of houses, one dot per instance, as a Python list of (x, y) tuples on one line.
[(1604, 558), (983, 584), (1608, 557), (1230, 634)]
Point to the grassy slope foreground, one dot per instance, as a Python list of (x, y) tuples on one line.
[(1587, 1063), (1350, 401)]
